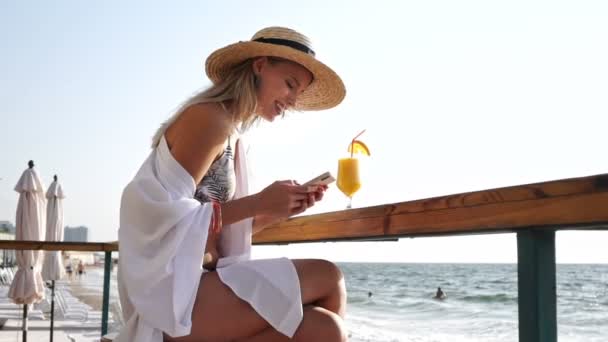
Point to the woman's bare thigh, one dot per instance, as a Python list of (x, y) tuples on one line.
[(220, 315)]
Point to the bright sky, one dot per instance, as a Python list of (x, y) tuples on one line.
[(456, 96)]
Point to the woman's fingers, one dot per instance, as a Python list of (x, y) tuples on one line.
[(311, 199), (298, 196), (319, 195), (303, 189), (295, 204), (299, 209), (303, 204), (296, 200), (286, 197)]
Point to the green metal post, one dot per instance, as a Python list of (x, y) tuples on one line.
[(536, 286), (106, 292)]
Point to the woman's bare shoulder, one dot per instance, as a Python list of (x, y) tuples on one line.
[(197, 137), (206, 120)]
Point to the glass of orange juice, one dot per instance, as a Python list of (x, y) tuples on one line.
[(349, 181), (348, 178)]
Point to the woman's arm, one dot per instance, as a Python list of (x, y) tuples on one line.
[(239, 209), (198, 136), (276, 202), (260, 222)]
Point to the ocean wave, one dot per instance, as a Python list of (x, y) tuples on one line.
[(495, 298), (422, 333), (481, 303)]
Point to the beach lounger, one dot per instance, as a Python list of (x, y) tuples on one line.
[(109, 337)]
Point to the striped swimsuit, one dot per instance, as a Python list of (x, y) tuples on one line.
[(219, 184)]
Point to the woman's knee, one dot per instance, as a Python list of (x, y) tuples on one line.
[(319, 268), (333, 271), (319, 280), (326, 324), (334, 275)]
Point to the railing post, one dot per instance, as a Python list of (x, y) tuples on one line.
[(24, 324), (107, 270), (536, 286)]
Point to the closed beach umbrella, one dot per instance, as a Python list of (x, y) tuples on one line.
[(53, 266), (27, 286)]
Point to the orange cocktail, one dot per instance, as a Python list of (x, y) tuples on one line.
[(349, 181), (348, 176)]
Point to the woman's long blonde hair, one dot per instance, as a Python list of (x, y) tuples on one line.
[(238, 88)]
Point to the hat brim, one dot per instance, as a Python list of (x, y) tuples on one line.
[(326, 90)]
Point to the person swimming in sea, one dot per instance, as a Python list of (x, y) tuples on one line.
[(440, 295)]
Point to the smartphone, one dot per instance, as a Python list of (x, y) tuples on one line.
[(323, 179)]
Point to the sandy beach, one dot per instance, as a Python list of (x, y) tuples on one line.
[(87, 289), (85, 295)]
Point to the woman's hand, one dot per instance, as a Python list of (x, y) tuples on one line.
[(212, 254), (283, 199), (315, 196)]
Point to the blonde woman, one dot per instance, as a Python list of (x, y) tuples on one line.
[(187, 218)]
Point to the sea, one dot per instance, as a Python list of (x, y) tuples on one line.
[(393, 302), (481, 303)]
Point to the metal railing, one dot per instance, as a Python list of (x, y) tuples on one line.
[(533, 211), (107, 248)]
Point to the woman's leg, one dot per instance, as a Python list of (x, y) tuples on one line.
[(322, 284), (219, 315), (318, 324)]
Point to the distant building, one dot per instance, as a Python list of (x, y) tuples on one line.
[(7, 227), (76, 234)]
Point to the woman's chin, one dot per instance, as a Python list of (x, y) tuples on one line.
[(269, 117)]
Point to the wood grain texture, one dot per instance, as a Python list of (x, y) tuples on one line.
[(60, 246), (569, 203)]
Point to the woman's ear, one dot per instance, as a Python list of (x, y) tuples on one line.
[(259, 64)]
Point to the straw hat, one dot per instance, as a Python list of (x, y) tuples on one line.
[(325, 91)]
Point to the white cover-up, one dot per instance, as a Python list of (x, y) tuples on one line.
[(162, 234)]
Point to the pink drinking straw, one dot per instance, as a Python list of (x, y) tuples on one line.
[(352, 144)]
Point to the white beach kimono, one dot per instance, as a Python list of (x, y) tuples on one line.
[(162, 235)]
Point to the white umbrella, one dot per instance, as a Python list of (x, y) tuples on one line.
[(27, 286), (53, 266)]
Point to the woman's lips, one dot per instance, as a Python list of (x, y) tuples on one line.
[(279, 108)]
